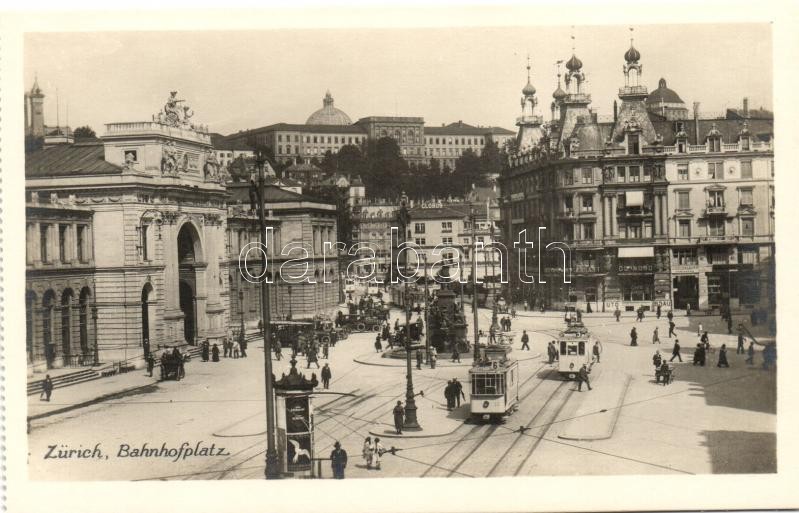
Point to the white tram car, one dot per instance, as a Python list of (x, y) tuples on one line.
[(494, 388), (575, 347)]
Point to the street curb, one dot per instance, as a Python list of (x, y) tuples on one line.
[(439, 365), (89, 402), (616, 413)]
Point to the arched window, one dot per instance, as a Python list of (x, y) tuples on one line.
[(83, 320)]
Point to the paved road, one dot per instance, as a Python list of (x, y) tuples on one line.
[(687, 427)]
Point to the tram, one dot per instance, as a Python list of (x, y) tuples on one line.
[(494, 387), (574, 349)]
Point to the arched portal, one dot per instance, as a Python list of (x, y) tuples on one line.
[(190, 261), (187, 306), (146, 292)]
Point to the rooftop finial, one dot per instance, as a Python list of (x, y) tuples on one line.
[(573, 41), (631, 36)]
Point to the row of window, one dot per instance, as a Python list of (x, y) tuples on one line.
[(463, 141), (716, 198), (331, 139), (72, 242), (643, 230)]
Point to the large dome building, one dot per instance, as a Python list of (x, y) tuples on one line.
[(666, 102), (328, 114)]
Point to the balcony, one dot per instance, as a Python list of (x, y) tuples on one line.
[(718, 239), (714, 210), (638, 90), (567, 214), (586, 243), (529, 120)]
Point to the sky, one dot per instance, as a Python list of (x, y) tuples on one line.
[(235, 80)]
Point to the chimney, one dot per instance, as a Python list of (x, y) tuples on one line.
[(594, 117), (746, 107)]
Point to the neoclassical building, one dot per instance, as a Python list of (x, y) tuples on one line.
[(658, 206), (126, 243)]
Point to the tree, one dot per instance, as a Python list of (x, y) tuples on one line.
[(491, 160), (468, 172), (351, 161), (84, 132), (241, 168), (386, 167)]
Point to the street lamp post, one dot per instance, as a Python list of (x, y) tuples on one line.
[(291, 312), (241, 312), (272, 463), (426, 319), (96, 338), (411, 421)]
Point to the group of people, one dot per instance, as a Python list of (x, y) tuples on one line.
[(505, 323), (432, 357), (372, 452), (453, 393)]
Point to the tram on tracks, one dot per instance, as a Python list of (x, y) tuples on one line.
[(494, 386), (575, 346)]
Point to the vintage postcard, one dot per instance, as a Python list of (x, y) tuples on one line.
[(393, 260)]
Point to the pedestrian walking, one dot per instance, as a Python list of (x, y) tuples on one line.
[(150, 364), (582, 377), (448, 395), (312, 357), (215, 353), (419, 359), (378, 451), (399, 417), (378, 345), (750, 353), (368, 452), (670, 315), (225, 349), (338, 461), (326, 375), (456, 356), (326, 350), (396, 325), (633, 337), (458, 388), (699, 330), (617, 314), (699, 355), (723, 356), (205, 351), (675, 352), (688, 310), (526, 305), (740, 349), (671, 328), (525, 340), (47, 388), (596, 351), (657, 312), (243, 346), (655, 337), (260, 326), (278, 352), (433, 357)]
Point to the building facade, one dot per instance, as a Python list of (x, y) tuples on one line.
[(130, 247), (656, 207), (329, 129)]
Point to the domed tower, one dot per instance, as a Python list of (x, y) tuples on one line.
[(573, 106), (557, 97), (632, 120), (328, 114), (667, 103), (530, 131)]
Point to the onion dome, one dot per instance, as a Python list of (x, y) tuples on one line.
[(328, 114), (528, 90), (559, 93), (632, 55), (574, 64)]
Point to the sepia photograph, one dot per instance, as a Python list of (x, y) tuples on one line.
[(540, 250)]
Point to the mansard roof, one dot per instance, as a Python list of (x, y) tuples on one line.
[(78, 159)]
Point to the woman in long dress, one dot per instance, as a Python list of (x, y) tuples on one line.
[(367, 451), (377, 453)]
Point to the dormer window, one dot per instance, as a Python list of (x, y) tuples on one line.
[(681, 146), (714, 144), (745, 143), (633, 145)]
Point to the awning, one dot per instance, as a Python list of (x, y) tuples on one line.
[(634, 198), (639, 252)]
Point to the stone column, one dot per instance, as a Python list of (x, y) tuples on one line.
[(73, 246), (664, 215), (656, 208), (614, 221), (605, 217)]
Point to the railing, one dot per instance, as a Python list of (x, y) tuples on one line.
[(636, 268), (715, 210), (697, 148), (529, 120), (151, 126), (718, 238), (639, 89), (578, 97), (568, 214), (729, 147)]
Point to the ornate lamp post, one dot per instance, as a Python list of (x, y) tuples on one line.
[(272, 470), (411, 422), (426, 319), (288, 289), (473, 219)]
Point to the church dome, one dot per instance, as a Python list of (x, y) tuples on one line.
[(663, 95), (328, 114), (559, 93)]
